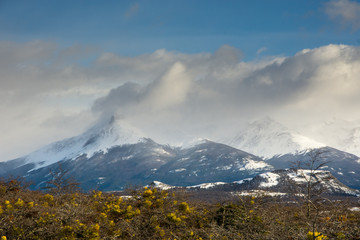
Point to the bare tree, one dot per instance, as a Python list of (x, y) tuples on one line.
[(312, 190), (60, 182)]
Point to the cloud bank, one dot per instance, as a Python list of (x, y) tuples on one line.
[(48, 93), (218, 92)]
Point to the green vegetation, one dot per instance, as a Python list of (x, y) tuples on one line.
[(150, 213)]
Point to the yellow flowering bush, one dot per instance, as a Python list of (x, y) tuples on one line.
[(19, 203), (316, 236), (150, 213)]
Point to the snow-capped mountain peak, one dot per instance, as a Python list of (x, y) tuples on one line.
[(266, 137), (101, 137)]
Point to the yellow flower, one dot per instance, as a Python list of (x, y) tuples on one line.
[(317, 235), (147, 193), (172, 217), (7, 202), (49, 197), (97, 194), (30, 204), (184, 207), (19, 203), (147, 202), (96, 227), (3, 238), (137, 211)]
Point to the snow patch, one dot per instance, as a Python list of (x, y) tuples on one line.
[(224, 168), (206, 185), (259, 193), (201, 150), (161, 185), (251, 164), (271, 179), (161, 151), (243, 180), (178, 170)]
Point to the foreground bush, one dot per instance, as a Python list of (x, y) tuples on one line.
[(150, 213)]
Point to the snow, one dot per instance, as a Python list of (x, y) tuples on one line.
[(97, 139), (161, 185), (355, 209), (178, 170), (207, 185), (271, 179), (127, 157), (251, 164), (303, 175), (267, 138), (243, 180), (201, 150), (259, 193), (161, 151), (338, 133), (224, 168)]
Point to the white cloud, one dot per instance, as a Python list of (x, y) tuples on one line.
[(205, 96), (171, 90), (261, 50), (347, 12), (170, 96)]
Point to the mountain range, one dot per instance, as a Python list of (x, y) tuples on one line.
[(113, 155)]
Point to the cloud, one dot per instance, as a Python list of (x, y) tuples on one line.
[(261, 50), (345, 11), (217, 92), (172, 97), (132, 10)]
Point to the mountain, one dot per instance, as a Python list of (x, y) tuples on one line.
[(281, 182), (337, 133), (208, 162), (119, 167), (266, 138), (99, 138), (343, 165), (111, 157)]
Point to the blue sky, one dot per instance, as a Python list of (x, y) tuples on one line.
[(199, 65), (129, 28)]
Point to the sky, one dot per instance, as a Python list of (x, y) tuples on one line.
[(173, 69)]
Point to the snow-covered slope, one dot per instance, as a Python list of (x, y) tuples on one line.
[(277, 183), (209, 162), (281, 180), (101, 137), (266, 138), (343, 165), (337, 133)]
